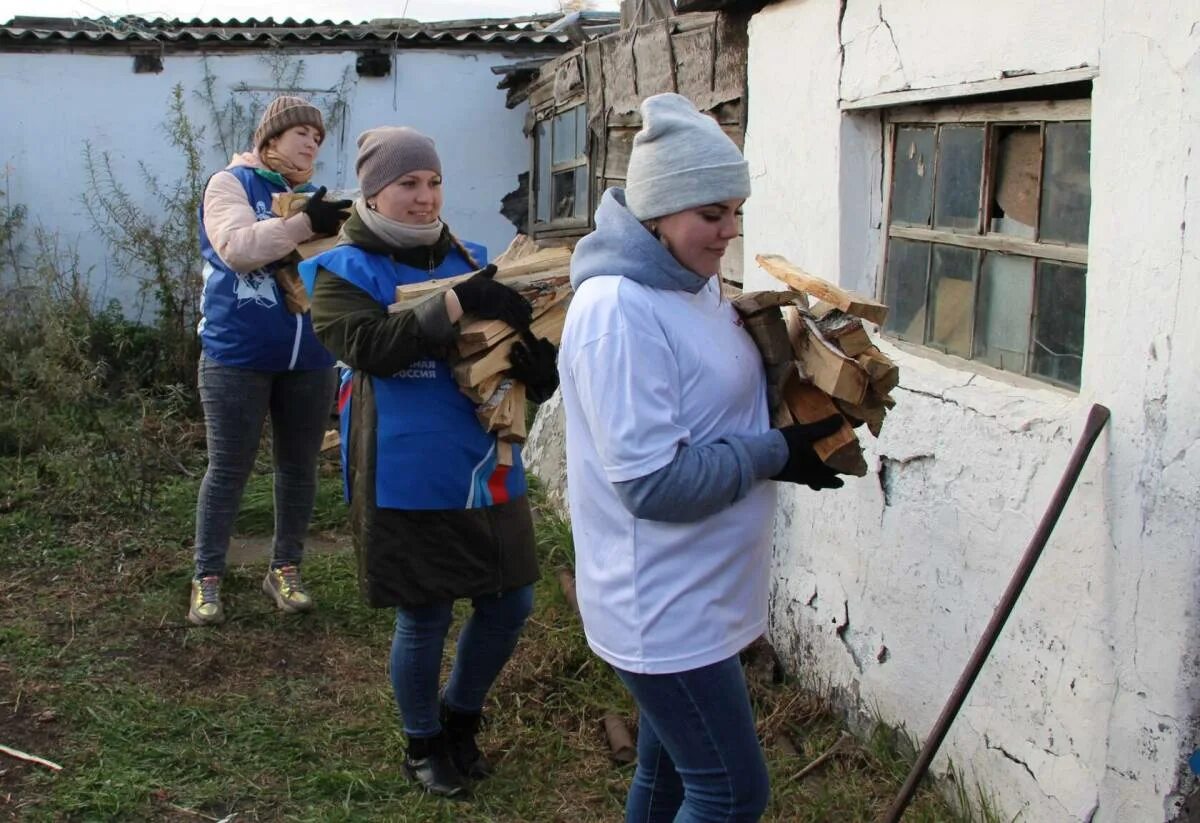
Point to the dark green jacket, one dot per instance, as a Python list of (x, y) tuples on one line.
[(411, 558)]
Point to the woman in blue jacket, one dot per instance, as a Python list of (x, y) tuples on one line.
[(435, 516), (260, 356)]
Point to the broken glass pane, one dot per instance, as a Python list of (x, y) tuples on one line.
[(959, 177), (1058, 322), (1014, 203), (1067, 190), (542, 194), (904, 288), (1003, 311), (912, 180), (564, 193), (952, 299)]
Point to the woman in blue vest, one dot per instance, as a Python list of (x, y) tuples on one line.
[(435, 517), (259, 355)]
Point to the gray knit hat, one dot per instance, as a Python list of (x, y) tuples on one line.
[(389, 152), (680, 160), (284, 112)]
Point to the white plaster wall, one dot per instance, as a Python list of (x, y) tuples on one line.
[(50, 104), (1085, 709)]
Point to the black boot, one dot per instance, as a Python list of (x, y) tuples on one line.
[(460, 729), (428, 762)]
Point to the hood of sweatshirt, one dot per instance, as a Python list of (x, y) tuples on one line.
[(622, 247)]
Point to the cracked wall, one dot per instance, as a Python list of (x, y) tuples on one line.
[(1086, 708)]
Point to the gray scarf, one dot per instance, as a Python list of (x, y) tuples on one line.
[(396, 234)]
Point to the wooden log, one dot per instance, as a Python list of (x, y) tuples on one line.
[(484, 391), (314, 247), (497, 411), (544, 262), (871, 412), (474, 370), (476, 335), (288, 203), (823, 363), (751, 302), (882, 372), (620, 742), (504, 453), (331, 440), (841, 450), (515, 431), (800, 280)]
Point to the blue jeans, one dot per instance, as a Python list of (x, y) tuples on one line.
[(236, 402), (484, 646), (698, 754)]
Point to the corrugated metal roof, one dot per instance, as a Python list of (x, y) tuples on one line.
[(43, 32)]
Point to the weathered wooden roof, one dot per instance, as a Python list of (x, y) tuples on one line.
[(125, 33)]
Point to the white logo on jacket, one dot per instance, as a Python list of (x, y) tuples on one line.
[(257, 287)]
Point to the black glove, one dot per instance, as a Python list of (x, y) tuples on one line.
[(326, 216), (803, 465), (533, 363), (481, 296)]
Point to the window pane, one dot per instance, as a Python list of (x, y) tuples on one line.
[(904, 289), (581, 131), (1003, 310), (1067, 190), (1058, 323), (952, 299), (912, 186), (959, 172), (582, 204), (564, 137), (564, 193), (1015, 187), (542, 192)]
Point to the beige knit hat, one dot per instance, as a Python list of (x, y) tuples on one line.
[(389, 152), (282, 114)]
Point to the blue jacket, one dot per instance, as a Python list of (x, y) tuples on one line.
[(244, 321), (431, 453)]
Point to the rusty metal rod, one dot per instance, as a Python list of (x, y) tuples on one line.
[(1097, 418)]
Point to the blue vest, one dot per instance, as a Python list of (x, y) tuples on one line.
[(244, 321), (431, 450)]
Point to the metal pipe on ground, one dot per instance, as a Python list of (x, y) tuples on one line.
[(1097, 419)]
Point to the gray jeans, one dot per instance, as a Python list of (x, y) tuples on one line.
[(236, 402)]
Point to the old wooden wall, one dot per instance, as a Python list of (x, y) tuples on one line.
[(701, 56)]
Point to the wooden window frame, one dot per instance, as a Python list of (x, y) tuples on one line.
[(562, 225), (989, 115)]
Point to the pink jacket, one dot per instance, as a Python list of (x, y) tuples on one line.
[(243, 241)]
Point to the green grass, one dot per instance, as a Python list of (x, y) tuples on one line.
[(277, 717)]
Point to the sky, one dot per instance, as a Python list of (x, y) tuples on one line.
[(353, 10)]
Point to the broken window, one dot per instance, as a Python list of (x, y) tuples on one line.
[(986, 254), (561, 197)]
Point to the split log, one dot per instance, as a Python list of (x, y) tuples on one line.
[(841, 450), (477, 335), (824, 364), (539, 265), (883, 373), (504, 453), (477, 368), (800, 280), (314, 247), (752, 302), (620, 743), (288, 203), (331, 440), (514, 431)]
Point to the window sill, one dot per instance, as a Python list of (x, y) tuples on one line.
[(1020, 401)]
